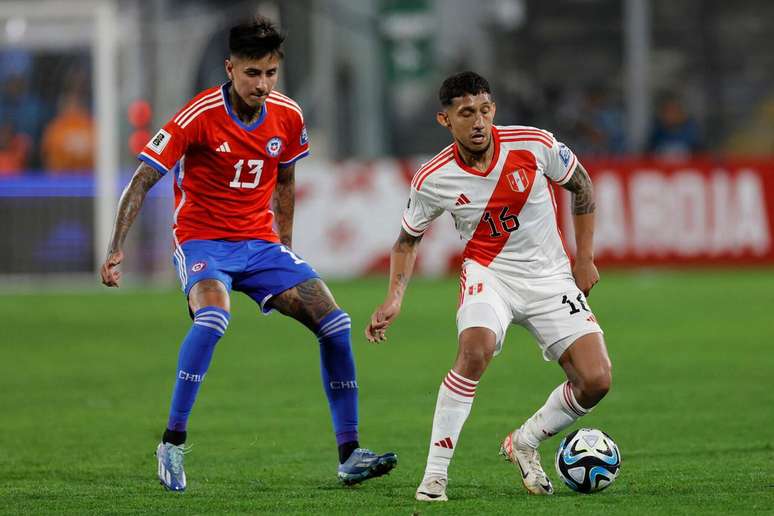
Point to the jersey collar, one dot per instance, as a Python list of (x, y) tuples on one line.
[(230, 111), (495, 157)]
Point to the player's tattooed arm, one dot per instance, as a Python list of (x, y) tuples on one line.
[(404, 253), (285, 202), (583, 268), (131, 201), (128, 207), (402, 258), (582, 191)]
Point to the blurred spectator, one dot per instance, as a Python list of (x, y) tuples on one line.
[(68, 141), (14, 149), (21, 107), (674, 132), (600, 125)]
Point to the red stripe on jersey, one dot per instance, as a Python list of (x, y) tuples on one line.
[(527, 139), (433, 169), (195, 104), (287, 99), (463, 278), (424, 168), (556, 215), (533, 130), (454, 390), (279, 102), (510, 133), (201, 109), (432, 162), (485, 244)]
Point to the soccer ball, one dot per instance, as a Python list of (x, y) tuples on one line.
[(588, 460)]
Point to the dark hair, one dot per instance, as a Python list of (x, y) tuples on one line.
[(255, 38), (461, 84)]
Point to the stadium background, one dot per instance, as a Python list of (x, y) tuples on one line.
[(669, 104)]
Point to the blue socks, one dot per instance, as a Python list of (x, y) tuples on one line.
[(209, 325), (337, 366)]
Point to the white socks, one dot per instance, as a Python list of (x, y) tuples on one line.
[(455, 399), (560, 411)]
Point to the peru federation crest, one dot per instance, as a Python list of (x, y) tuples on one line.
[(518, 180), (274, 146)]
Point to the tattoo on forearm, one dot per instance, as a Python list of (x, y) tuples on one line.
[(284, 204), (582, 191), (130, 203), (401, 283)]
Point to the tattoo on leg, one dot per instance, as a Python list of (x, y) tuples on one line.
[(308, 302)]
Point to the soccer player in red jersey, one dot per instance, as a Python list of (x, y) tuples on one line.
[(496, 183), (230, 149)]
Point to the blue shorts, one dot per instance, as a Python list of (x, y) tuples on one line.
[(258, 268)]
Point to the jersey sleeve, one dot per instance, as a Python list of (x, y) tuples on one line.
[(560, 163), (168, 146), (298, 142), (421, 210)]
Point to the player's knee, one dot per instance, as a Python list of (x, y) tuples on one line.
[(477, 347), (597, 384), (212, 319)]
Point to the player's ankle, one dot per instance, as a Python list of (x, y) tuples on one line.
[(346, 449), (174, 437)]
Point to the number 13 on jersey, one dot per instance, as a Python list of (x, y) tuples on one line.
[(255, 168)]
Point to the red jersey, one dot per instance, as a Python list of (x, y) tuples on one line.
[(225, 170)]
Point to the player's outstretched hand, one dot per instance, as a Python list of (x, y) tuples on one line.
[(586, 275), (109, 271), (381, 320)]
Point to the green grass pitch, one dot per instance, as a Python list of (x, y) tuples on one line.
[(85, 380)]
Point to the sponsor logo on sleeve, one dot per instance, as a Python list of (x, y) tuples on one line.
[(274, 146), (159, 141), (304, 136), (564, 154)]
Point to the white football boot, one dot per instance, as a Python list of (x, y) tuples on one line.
[(432, 489), (527, 459)]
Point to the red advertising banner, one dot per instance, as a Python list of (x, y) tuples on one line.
[(698, 212)]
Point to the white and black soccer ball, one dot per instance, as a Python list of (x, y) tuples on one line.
[(588, 460)]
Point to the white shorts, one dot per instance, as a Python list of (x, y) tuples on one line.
[(554, 310)]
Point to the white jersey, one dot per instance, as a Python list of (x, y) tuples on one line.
[(507, 214)]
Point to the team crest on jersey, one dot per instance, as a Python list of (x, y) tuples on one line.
[(304, 136), (564, 154), (159, 141), (518, 180), (198, 266), (274, 146)]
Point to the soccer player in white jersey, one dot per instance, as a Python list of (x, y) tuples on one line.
[(496, 183)]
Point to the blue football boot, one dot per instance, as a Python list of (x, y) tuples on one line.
[(364, 464), (170, 472)]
